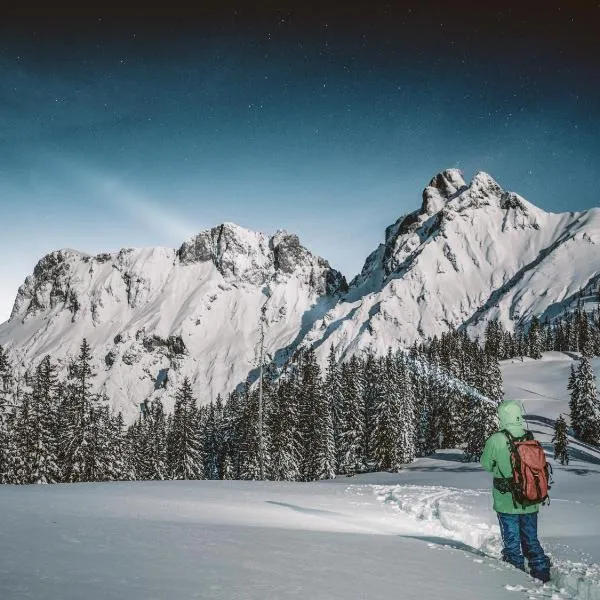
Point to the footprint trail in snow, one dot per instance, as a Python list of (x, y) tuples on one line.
[(451, 517)]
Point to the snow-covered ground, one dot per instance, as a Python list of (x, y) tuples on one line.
[(427, 532), (541, 384)]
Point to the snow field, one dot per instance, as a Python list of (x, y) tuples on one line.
[(222, 540), (426, 532)]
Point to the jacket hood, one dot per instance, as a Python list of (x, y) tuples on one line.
[(510, 414)]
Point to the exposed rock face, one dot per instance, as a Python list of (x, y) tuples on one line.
[(442, 188), (238, 254), (246, 256), (49, 286)]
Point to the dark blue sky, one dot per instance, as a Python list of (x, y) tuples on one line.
[(329, 122)]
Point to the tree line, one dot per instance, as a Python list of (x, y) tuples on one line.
[(576, 331), (367, 413)]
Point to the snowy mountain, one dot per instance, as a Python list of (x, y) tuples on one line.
[(157, 314), (470, 253)]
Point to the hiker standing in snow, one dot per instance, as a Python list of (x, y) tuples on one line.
[(520, 472)]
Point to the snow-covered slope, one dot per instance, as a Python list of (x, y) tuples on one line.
[(153, 312), (470, 253)]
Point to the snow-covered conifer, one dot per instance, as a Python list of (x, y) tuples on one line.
[(285, 434), (185, 451), (534, 341), (232, 436), (574, 410), (386, 434), (351, 437), (75, 445), (332, 390), (371, 385), (318, 461), (40, 453), (481, 422), (587, 419), (408, 412), (561, 441)]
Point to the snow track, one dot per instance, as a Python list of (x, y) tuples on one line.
[(460, 519)]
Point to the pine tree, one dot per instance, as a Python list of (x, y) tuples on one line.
[(351, 437), (232, 437), (534, 342), (317, 424), (481, 422), (185, 451), (388, 414), (586, 340), (561, 441), (75, 446), (103, 439), (7, 443), (587, 423), (12, 465), (451, 417), (42, 449), (120, 460), (492, 385), (24, 440), (250, 442), (574, 410), (136, 444), (431, 394), (212, 443), (285, 435), (214, 440), (371, 387), (493, 339), (408, 413), (332, 390)]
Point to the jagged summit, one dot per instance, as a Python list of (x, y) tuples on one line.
[(470, 253), (243, 255), (443, 187)]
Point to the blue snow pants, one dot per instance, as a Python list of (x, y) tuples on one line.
[(519, 536)]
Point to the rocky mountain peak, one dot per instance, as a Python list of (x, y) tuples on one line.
[(236, 252), (448, 182), (442, 188), (484, 185), (288, 253), (243, 255)]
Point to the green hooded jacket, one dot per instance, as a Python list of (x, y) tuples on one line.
[(496, 457)]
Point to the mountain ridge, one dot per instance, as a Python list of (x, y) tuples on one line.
[(470, 253)]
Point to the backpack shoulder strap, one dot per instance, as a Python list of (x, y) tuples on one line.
[(527, 436), (509, 435)]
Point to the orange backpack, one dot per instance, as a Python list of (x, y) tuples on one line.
[(531, 472)]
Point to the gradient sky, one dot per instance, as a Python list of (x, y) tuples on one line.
[(329, 122)]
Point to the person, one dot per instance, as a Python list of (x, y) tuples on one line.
[(518, 523)]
